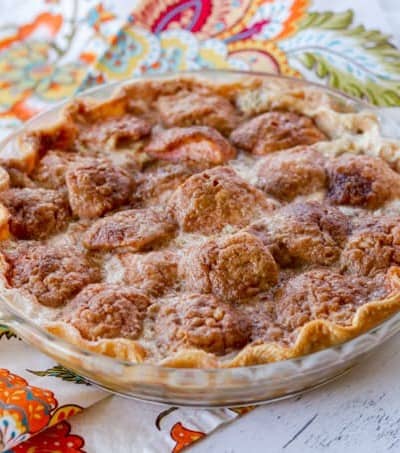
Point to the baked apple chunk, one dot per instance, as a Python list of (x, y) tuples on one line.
[(274, 131), (52, 274), (96, 186)]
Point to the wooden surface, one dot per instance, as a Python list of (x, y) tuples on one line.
[(358, 413)]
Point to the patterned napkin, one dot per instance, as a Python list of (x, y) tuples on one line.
[(50, 49)]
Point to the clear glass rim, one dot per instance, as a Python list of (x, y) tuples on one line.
[(13, 317)]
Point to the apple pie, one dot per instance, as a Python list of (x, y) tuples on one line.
[(196, 224)]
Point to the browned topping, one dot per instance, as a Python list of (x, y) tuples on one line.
[(5, 179), (197, 146), (19, 179), (189, 108), (323, 294), (361, 181), (159, 180), (108, 311), (153, 272), (50, 171), (36, 213), (304, 233), (274, 131), (264, 325), (201, 321), (153, 226), (210, 200), (287, 174), (116, 132), (137, 229), (88, 110), (61, 136), (52, 274), (374, 247), (96, 186), (233, 268)]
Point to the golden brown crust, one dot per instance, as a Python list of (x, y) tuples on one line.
[(323, 294), (203, 331), (120, 348), (313, 336), (320, 334)]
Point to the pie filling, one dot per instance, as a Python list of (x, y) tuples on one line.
[(196, 224)]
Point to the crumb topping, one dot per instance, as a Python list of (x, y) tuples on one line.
[(183, 215)]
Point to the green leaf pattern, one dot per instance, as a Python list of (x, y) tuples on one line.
[(360, 62), (60, 372), (5, 332)]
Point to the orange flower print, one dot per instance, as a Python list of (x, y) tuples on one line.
[(64, 412), (27, 69), (7, 379), (30, 71), (47, 22), (204, 17), (222, 19), (176, 35), (20, 109), (57, 439), (184, 436), (98, 15), (24, 409)]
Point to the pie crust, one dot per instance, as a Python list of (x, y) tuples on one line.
[(196, 224)]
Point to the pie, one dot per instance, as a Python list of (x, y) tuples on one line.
[(196, 224)]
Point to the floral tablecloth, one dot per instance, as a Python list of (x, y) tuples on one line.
[(50, 49)]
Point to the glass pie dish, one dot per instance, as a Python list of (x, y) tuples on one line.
[(199, 387)]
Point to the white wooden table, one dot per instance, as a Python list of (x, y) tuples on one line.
[(358, 413)]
